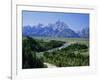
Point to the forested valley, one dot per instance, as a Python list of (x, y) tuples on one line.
[(75, 54)]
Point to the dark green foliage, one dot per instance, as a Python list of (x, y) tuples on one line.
[(54, 44), (29, 48), (68, 56), (44, 46), (29, 58), (31, 61), (40, 45), (75, 47)]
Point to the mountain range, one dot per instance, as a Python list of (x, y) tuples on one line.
[(58, 29)]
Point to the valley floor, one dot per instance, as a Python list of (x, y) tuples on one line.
[(40, 52)]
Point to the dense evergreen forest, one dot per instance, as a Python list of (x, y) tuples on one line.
[(31, 46), (69, 56), (73, 55)]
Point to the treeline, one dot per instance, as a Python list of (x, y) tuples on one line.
[(69, 56), (29, 48)]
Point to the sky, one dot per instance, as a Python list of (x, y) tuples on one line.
[(75, 21)]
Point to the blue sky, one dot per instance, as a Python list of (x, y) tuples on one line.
[(75, 21)]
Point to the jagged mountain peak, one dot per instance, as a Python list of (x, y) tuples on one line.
[(56, 29), (58, 25)]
